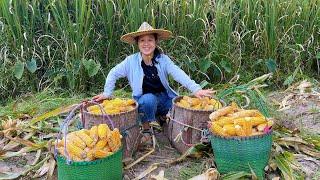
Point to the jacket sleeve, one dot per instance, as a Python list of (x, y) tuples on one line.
[(119, 71), (180, 76)]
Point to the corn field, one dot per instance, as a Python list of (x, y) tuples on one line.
[(73, 44)]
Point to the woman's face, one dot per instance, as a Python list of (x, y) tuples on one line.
[(147, 44)]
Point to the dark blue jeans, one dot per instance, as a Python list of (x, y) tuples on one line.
[(152, 105)]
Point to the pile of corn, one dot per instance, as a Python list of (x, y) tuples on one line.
[(233, 121), (90, 144), (113, 106), (199, 103)]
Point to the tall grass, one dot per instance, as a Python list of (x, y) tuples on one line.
[(52, 43)]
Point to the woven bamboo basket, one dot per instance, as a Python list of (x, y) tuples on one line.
[(181, 136), (126, 122)]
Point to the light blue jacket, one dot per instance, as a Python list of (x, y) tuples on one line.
[(131, 68)]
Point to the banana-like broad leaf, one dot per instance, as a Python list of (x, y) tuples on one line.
[(18, 69), (31, 65), (91, 67)]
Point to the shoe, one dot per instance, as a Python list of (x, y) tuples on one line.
[(162, 120), (147, 138)]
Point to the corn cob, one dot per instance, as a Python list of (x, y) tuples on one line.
[(221, 112), (101, 153), (94, 133), (90, 155), (85, 137), (254, 120), (72, 137), (130, 102), (261, 127), (103, 131), (74, 150), (239, 131), (246, 113), (256, 133), (230, 129), (247, 127), (114, 141), (215, 128), (101, 144), (224, 120)]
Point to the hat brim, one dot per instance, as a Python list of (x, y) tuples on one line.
[(131, 37)]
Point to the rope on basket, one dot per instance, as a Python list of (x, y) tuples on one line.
[(204, 132)]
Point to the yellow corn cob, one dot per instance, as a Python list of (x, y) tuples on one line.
[(114, 141), (101, 153), (94, 133), (72, 137), (75, 158), (85, 137), (246, 113), (93, 108), (247, 127), (60, 143), (61, 151), (215, 128), (230, 129), (101, 144), (103, 131), (239, 131), (261, 127), (130, 102), (76, 151), (254, 120), (256, 133), (224, 120), (221, 112), (90, 155), (107, 148)]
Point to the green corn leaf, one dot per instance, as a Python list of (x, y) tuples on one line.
[(318, 56), (18, 69), (91, 67), (236, 175), (31, 65)]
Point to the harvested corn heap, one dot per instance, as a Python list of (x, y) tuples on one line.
[(205, 103), (90, 144), (233, 121), (113, 106)]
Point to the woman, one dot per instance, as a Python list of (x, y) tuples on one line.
[(147, 72)]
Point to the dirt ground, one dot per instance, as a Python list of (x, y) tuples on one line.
[(294, 110)]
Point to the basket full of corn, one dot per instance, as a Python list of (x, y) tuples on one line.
[(124, 115), (94, 153), (241, 139)]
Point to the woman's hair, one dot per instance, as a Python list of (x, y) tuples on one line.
[(157, 52)]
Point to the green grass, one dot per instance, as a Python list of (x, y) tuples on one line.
[(73, 44)]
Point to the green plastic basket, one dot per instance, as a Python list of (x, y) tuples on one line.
[(242, 153), (106, 168)]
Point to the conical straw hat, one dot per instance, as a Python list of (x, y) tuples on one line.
[(144, 29)]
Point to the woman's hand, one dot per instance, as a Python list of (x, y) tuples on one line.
[(204, 92), (99, 97)]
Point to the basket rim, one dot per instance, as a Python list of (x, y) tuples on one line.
[(195, 110), (111, 115), (241, 137), (62, 159)]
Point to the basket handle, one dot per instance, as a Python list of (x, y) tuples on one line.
[(64, 126)]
